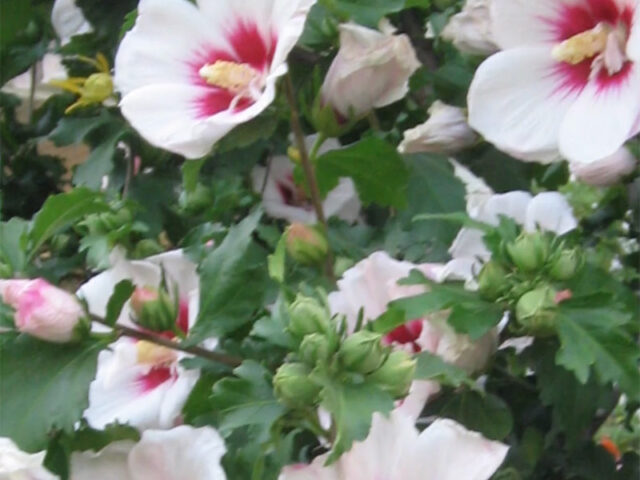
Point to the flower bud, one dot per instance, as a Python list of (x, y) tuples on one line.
[(535, 310), (362, 352), (607, 171), (307, 316), (565, 264), (42, 310), (293, 386), (154, 309), (328, 121), (396, 373), (492, 280), (97, 88), (146, 248), (529, 252), (315, 348), (306, 245), (470, 30)]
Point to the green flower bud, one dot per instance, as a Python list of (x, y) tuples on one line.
[(146, 248), (363, 351), (529, 252), (492, 280), (305, 244), (315, 348), (293, 386), (327, 121), (154, 309), (536, 310), (97, 88), (396, 373), (565, 264), (308, 316), (197, 200)]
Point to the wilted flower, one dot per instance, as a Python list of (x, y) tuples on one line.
[(18, 465), (396, 450), (177, 454), (606, 171), (283, 198), (446, 131), (371, 70), (189, 74), (567, 80), (470, 30), (42, 310)]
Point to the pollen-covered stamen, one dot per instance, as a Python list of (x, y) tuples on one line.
[(238, 78), (152, 354)]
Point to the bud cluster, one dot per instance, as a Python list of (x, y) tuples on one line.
[(325, 353)]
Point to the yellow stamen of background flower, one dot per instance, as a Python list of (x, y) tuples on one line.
[(582, 46), (235, 77), (152, 354)]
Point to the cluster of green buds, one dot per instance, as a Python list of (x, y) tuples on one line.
[(106, 222), (325, 352), (154, 309), (529, 274), (306, 244)]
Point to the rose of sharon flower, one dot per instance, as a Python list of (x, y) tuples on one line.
[(566, 81), (18, 465), (371, 70), (178, 454), (371, 284), (395, 450), (138, 382), (446, 131), (189, 74), (283, 198), (470, 30), (42, 310), (606, 171)]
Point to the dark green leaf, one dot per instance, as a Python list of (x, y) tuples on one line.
[(72, 130), (432, 367), (121, 293), (100, 161), (13, 244), (367, 12)]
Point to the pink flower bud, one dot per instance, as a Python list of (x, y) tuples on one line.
[(140, 296), (42, 310)]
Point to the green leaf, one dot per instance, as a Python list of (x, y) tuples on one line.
[(12, 244), (247, 400), (43, 386), (460, 218), (121, 293), (352, 408), (190, 174), (588, 339), (62, 210), (261, 127), (100, 161), (233, 282), (432, 367), (273, 328), (366, 12), (72, 130), (277, 261), (376, 168)]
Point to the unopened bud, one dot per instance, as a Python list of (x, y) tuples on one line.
[(529, 252), (293, 386), (328, 121), (536, 310), (566, 264), (396, 373), (315, 348), (294, 154), (363, 351), (306, 244), (154, 309), (146, 248), (308, 316), (97, 88), (492, 280)]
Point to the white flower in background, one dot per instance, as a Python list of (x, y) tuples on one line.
[(371, 284), (138, 382), (566, 82), (446, 131), (180, 453), (371, 70), (396, 450), (470, 30), (189, 74), (68, 20), (18, 465), (606, 171), (283, 198)]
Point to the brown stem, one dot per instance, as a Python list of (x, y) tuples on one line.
[(229, 360)]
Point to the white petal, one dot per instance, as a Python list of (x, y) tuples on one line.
[(167, 116), (343, 201), (17, 465), (448, 451), (68, 20), (601, 119), (420, 392), (477, 191), (523, 22), (288, 17), (168, 34), (517, 103), (607, 171), (551, 212), (110, 463), (468, 245), (511, 204), (633, 45), (180, 453)]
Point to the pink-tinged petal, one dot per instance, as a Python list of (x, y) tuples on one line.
[(166, 36), (602, 118), (517, 101), (607, 171), (448, 451), (175, 124), (550, 212), (315, 471)]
